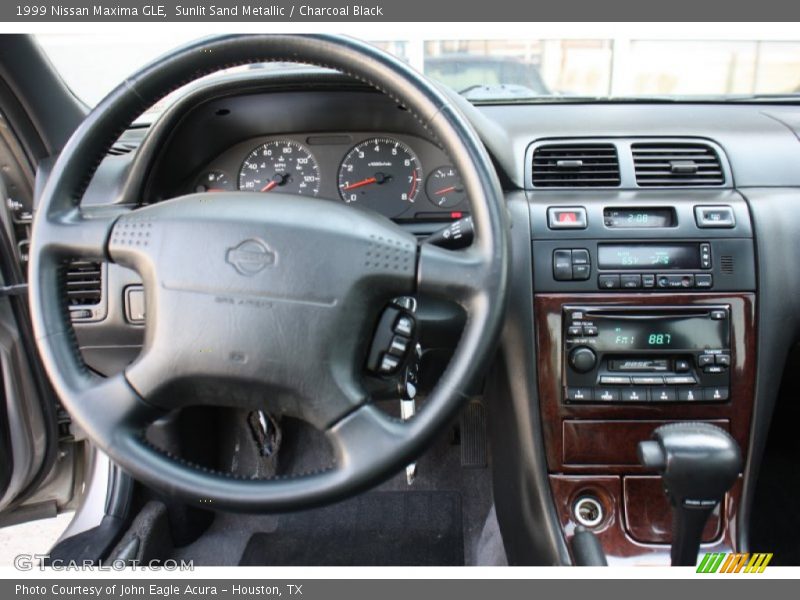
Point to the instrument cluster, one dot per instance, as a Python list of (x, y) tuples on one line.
[(402, 177)]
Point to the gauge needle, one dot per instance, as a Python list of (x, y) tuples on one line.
[(269, 186), (359, 184), (446, 190)]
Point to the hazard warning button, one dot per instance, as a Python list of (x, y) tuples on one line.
[(566, 217)]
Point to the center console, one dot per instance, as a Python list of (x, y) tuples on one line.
[(644, 307)]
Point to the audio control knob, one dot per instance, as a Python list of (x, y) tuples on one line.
[(582, 359)]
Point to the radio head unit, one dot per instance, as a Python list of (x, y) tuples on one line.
[(634, 354)]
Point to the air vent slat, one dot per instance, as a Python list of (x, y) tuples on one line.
[(575, 165), (84, 283), (671, 164)]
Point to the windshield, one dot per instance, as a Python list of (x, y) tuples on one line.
[(504, 70)]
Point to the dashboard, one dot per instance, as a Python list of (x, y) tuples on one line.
[(580, 380), (402, 177)]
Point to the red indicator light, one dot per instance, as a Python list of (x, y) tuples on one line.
[(456, 215), (567, 217)]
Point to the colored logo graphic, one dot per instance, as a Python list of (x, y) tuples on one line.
[(725, 562)]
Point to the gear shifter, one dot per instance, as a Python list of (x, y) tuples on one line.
[(698, 463)]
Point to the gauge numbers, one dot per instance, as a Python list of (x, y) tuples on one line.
[(382, 174), (284, 166)]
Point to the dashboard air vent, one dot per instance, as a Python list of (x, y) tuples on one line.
[(575, 165), (84, 283), (676, 164)]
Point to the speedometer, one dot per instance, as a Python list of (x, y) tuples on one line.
[(282, 165), (382, 174)]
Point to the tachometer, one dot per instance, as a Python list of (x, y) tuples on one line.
[(381, 174), (281, 165)]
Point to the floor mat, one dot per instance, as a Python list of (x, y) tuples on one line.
[(376, 529)]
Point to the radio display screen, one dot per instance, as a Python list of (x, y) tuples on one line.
[(648, 256), (684, 333)]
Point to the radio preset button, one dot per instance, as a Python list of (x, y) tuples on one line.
[(608, 282), (663, 394), (634, 394), (606, 394), (690, 394), (579, 394), (716, 394)]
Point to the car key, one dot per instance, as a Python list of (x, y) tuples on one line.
[(408, 400)]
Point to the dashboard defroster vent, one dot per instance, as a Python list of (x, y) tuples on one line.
[(575, 165), (84, 283), (676, 164)]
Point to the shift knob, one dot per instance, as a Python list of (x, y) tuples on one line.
[(698, 463)]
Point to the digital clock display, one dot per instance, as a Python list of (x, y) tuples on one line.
[(648, 256), (624, 218)]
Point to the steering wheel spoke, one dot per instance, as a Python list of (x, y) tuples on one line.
[(80, 232), (452, 274), (365, 434)]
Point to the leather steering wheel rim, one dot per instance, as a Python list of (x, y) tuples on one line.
[(368, 445)]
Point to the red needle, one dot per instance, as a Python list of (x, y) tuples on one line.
[(446, 190), (359, 184), (269, 186)]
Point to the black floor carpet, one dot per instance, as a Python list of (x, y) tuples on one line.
[(411, 528)]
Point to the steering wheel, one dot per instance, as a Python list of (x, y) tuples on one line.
[(268, 304)]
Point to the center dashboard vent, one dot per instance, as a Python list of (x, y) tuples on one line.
[(575, 165), (84, 283), (659, 164)]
